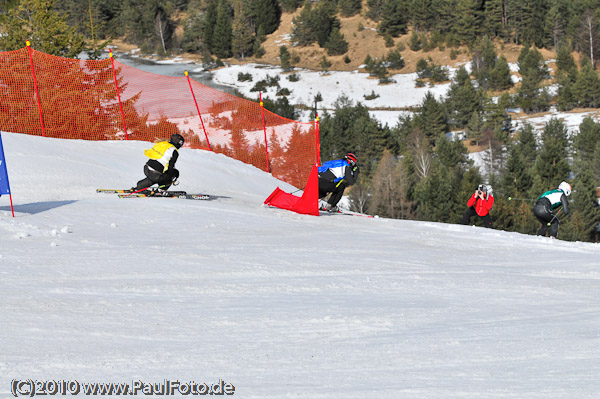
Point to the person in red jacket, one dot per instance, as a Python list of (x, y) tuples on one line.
[(480, 204)]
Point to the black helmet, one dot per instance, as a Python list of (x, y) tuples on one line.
[(177, 140), (351, 159)]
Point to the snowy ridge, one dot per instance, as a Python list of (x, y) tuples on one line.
[(98, 289)]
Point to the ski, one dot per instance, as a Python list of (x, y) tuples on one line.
[(168, 195), (112, 191), (350, 213), (346, 212), (129, 191)]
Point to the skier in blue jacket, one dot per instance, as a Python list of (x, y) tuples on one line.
[(334, 177), (547, 203)]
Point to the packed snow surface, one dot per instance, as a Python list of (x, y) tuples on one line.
[(100, 289)]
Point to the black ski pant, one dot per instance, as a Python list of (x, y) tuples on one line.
[(487, 220), (549, 221), (336, 190), (164, 180)]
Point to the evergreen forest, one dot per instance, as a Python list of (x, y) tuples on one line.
[(415, 169)]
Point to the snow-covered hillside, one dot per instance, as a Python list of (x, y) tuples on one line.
[(100, 289)]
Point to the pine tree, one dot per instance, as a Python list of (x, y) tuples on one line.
[(451, 153), (500, 76), (585, 142), (534, 29), (192, 33), (551, 165), (484, 61), (349, 8), (557, 21), (285, 58), (584, 213), (257, 49), (208, 24), (394, 19), (528, 144), (324, 64), (587, 87), (431, 118), (436, 195), (265, 13), (444, 18), (422, 14), (375, 9), (531, 64), (531, 98), (48, 32), (302, 32), (242, 42), (475, 128), (336, 44), (290, 5), (565, 63), (463, 99), (324, 20), (566, 98), (221, 40), (494, 17), (516, 180), (468, 25)]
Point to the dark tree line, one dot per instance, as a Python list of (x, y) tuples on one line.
[(225, 28), (414, 170), (418, 170)]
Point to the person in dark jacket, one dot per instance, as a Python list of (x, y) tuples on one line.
[(547, 203), (334, 177), (160, 168), (480, 204)]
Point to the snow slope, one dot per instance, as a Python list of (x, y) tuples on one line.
[(100, 289)]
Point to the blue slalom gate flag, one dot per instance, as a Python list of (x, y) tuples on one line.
[(4, 185)]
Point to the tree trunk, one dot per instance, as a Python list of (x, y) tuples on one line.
[(160, 30)]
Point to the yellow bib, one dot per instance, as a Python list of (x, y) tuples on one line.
[(158, 150)]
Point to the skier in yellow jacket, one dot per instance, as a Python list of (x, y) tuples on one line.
[(160, 168)]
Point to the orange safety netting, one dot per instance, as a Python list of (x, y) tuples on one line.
[(42, 94)]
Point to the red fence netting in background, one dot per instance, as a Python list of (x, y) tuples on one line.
[(79, 99)]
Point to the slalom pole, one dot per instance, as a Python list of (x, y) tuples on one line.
[(112, 62), (262, 109), (37, 92), (198, 109), (317, 140)]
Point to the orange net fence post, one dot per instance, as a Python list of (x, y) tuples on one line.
[(199, 114), (37, 93), (262, 111), (107, 100), (112, 64)]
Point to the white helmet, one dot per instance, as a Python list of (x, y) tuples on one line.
[(565, 187), (489, 190)]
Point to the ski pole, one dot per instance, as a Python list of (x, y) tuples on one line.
[(135, 192), (300, 189), (520, 199), (555, 217)]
